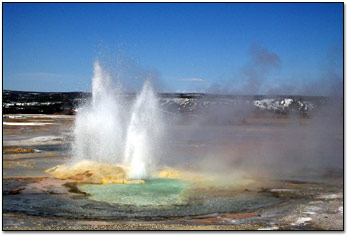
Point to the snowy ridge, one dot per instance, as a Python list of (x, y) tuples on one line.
[(277, 104), (15, 102)]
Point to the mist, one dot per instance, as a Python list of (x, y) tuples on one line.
[(226, 140), (252, 77), (126, 71)]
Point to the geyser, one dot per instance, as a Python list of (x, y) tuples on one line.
[(98, 126), (106, 131), (143, 133)]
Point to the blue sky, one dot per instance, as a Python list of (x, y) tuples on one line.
[(185, 47)]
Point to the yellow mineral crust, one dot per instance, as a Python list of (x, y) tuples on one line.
[(99, 173), (17, 150), (112, 180), (170, 174), (183, 175), (93, 172)]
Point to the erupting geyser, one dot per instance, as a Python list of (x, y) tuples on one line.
[(107, 132), (98, 126), (143, 133)]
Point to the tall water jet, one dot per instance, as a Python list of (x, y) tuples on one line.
[(98, 126), (103, 135), (143, 134)]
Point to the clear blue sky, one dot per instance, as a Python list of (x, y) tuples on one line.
[(189, 47)]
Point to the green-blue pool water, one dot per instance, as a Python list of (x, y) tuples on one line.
[(50, 148), (155, 192), (158, 198)]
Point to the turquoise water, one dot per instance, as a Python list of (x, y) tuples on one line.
[(155, 192), (50, 148), (158, 198)]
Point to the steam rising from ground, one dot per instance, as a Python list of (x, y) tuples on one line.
[(237, 139), (225, 141)]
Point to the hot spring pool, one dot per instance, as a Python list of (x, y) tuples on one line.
[(155, 192), (157, 199)]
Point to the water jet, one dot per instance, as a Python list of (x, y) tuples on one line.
[(106, 132)]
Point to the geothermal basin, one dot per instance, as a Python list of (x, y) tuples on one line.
[(201, 199), (124, 164)]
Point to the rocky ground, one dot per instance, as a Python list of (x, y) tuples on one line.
[(308, 208), (314, 203)]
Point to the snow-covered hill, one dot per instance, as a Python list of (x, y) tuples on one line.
[(67, 103)]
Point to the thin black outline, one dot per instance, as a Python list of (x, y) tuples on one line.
[(2, 81)]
